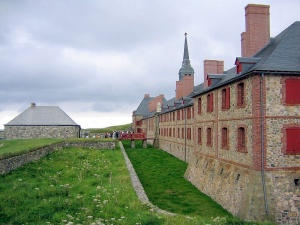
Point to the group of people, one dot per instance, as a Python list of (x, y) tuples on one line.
[(114, 134)]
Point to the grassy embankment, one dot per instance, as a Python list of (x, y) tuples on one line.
[(161, 175), (80, 186), (9, 148)]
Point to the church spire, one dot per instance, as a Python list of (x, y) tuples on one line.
[(186, 49), (186, 69)]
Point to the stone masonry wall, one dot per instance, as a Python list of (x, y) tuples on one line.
[(28, 132), (9, 164)]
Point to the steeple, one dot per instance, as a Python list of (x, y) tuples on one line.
[(186, 69)]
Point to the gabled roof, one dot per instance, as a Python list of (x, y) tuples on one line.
[(42, 116)]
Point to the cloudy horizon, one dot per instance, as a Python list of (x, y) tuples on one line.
[(97, 59)]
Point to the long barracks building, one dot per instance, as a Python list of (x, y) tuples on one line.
[(239, 131)]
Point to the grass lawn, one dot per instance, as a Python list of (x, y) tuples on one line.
[(81, 186), (9, 148), (72, 186)]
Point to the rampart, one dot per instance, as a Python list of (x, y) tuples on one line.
[(9, 164)]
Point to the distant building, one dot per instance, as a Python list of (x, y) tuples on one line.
[(239, 130), (1, 134), (41, 122)]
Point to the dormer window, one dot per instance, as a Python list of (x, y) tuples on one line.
[(244, 64), (238, 68)]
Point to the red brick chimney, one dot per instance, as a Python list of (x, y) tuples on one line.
[(212, 67), (152, 105), (257, 35), (184, 87)]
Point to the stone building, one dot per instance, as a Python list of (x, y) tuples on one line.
[(41, 122), (239, 130)]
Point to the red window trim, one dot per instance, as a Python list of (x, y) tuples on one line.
[(241, 139), (209, 137), (285, 138), (241, 95), (225, 94), (292, 91), (210, 102), (199, 106), (225, 138), (199, 133)]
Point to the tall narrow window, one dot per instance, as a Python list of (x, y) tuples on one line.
[(224, 136), (178, 132), (241, 94), (241, 145), (189, 113), (292, 87), (209, 137), (199, 135), (226, 98), (199, 106), (189, 133), (182, 133), (293, 140), (178, 115), (210, 102)]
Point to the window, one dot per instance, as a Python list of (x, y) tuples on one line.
[(209, 137), (178, 115), (238, 68), (189, 133), (293, 140), (199, 106), (182, 133), (188, 113), (210, 102), (178, 132), (241, 94), (199, 136), (292, 87), (173, 131), (241, 145), (224, 136), (226, 98)]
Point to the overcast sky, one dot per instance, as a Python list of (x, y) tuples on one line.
[(97, 59)]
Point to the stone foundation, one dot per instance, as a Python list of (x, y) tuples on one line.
[(240, 190)]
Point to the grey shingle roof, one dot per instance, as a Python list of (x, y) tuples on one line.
[(42, 115), (283, 51)]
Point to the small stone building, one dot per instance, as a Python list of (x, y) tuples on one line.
[(41, 122)]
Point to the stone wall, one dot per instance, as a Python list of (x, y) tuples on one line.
[(173, 134), (240, 190), (9, 164), (28, 132)]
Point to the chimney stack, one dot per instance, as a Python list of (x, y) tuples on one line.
[(257, 35), (32, 105), (212, 67)]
